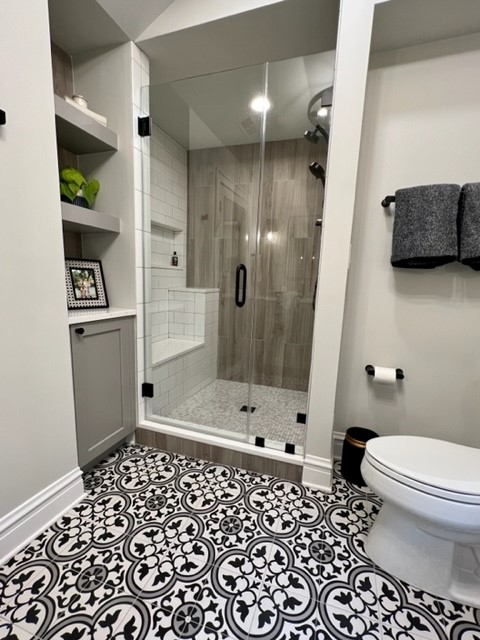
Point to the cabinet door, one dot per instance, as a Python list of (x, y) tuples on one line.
[(104, 384)]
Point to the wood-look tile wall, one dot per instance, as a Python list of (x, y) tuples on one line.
[(222, 215), (62, 70), (212, 453)]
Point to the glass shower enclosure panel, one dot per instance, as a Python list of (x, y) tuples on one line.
[(236, 181), (206, 151), (288, 252)]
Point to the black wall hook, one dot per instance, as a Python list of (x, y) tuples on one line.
[(3, 117), (387, 201), (370, 369)]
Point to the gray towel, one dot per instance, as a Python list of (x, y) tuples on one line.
[(469, 225), (425, 226)]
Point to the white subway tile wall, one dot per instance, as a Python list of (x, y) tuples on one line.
[(168, 210), (170, 310), (168, 188), (178, 379)]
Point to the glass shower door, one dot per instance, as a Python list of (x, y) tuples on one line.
[(232, 192), (288, 253), (206, 150)]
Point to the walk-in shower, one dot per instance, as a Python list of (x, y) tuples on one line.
[(229, 323)]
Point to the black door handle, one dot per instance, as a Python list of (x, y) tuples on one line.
[(314, 300), (241, 298), (80, 331)]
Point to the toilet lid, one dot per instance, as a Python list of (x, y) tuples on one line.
[(436, 463)]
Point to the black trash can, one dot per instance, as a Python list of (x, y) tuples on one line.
[(353, 451)]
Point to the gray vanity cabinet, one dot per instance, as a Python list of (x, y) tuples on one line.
[(103, 357)]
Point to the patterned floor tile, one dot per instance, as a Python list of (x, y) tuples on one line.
[(405, 609), (232, 527), (10, 631), (219, 604), (122, 618), (346, 623), (279, 613), (165, 546), (53, 600)]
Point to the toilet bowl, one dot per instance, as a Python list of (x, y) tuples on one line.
[(428, 529)]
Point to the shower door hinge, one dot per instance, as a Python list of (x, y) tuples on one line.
[(144, 126), (147, 390)]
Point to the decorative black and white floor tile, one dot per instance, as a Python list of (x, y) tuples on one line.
[(170, 547)]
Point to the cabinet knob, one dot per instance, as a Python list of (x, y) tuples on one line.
[(80, 331)]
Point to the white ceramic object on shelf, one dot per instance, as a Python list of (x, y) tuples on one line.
[(428, 529)]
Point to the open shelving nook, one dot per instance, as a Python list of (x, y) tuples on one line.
[(106, 232), (79, 134)]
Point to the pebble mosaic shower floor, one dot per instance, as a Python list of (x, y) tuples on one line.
[(176, 548), (275, 417)]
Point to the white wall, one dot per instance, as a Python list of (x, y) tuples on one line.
[(36, 396), (421, 126), (351, 64)]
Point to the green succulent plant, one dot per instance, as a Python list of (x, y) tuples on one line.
[(72, 181)]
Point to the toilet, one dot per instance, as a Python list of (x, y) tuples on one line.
[(428, 529)]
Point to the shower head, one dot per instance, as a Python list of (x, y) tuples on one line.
[(318, 171), (312, 136)]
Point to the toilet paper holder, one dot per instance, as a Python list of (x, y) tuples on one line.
[(370, 369)]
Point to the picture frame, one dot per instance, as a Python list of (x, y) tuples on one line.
[(85, 284)]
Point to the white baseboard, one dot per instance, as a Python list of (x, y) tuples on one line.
[(317, 473), (25, 522), (338, 438)]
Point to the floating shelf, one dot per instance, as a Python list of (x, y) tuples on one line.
[(79, 133), (81, 220)]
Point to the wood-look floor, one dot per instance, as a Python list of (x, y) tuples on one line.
[(212, 453)]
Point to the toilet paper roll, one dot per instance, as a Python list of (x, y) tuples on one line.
[(385, 375)]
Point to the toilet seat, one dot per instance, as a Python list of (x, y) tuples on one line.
[(434, 467)]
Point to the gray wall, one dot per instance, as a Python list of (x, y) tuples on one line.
[(36, 397), (420, 126)]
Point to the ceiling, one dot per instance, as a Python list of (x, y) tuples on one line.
[(213, 110), (190, 38), (277, 31), (185, 38), (406, 23)]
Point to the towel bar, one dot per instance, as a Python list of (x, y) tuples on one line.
[(387, 201), (370, 369)]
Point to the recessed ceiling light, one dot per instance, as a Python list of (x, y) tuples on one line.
[(260, 104)]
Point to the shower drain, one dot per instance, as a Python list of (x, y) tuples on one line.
[(248, 409)]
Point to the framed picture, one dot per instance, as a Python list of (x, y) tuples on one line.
[(85, 285)]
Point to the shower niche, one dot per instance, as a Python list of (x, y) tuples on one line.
[(228, 332)]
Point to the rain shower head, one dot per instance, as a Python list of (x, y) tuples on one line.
[(312, 136), (318, 171)]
